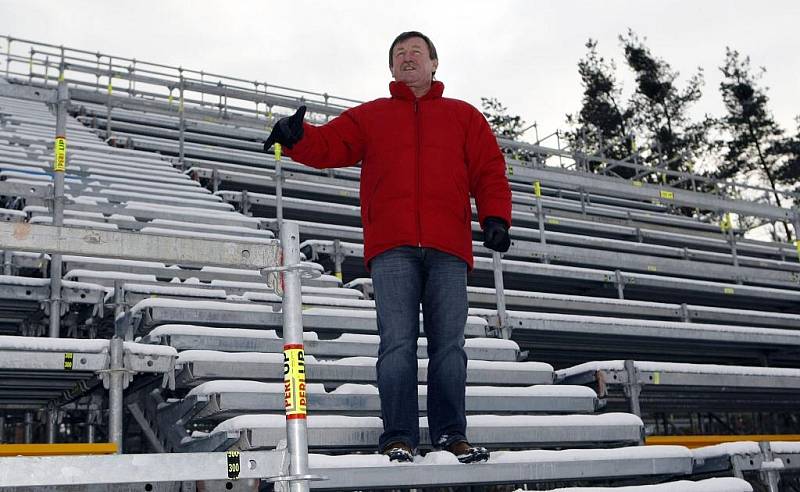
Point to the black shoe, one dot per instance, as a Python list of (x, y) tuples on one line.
[(466, 453), (399, 452)]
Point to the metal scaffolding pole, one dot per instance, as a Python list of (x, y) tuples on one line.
[(28, 427), (294, 359), (278, 188), (59, 167), (2, 429), (116, 374), (500, 296), (51, 415)]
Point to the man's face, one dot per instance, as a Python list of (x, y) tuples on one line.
[(412, 64)]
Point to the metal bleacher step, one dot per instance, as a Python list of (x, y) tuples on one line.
[(216, 401), (717, 484), (188, 337), (676, 387), (153, 312), (581, 338), (339, 432), (195, 367), (358, 472)]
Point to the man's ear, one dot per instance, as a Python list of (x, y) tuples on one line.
[(435, 66)]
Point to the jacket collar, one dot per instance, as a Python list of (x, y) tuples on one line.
[(399, 90)]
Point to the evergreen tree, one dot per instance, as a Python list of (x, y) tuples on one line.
[(789, 172), (754, 145), (505, 125), (659, 108), (601, 126)]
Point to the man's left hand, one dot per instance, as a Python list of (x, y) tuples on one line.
[(495, 234)]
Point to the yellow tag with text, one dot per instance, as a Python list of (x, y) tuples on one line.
[(553, 221), (278, 151), (656, 378), (667, 195), (537, 189), (60, 162), (294, 381), (652, 268), (728, 290)]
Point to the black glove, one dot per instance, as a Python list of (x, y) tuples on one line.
[(495, 234), (287, 131)]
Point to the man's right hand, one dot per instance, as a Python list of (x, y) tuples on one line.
[(287, 131)]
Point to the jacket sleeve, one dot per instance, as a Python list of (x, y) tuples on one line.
[(486, 167), (338, 143)]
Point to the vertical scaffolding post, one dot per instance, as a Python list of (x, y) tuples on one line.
[(59, 167), (294, 359), (115, 383), (279, 189), (181, 123), (2, 428), (51, 416), (500, 295), (632, 388), (28, 427), (7, 262), (537, 190)]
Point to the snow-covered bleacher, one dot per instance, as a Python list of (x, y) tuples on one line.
[(625, 320)]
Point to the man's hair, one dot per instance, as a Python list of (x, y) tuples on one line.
[(412, 34)]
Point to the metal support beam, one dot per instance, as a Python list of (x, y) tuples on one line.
[(59, 168), (770, 475), (28, 427), (136, 246), (48, 471), (2, 428), (117, 373), (296, 429), (500, 296), (633, 388), (51, 416)]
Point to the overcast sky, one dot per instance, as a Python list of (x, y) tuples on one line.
[(522, 52)]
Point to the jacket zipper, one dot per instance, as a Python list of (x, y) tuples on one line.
[(417, 131)]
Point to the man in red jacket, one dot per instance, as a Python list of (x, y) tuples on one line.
[(422, 157)]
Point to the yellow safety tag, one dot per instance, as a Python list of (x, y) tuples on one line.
[(110, 87), (553, 221), (728, 290), (278, 151), (652, 268), (60, 162), (656, 378), (537, 189), (294, 381), (68, 361), (510, 171), (725, 225), (667, 195)]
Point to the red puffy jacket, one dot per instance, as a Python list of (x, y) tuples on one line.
[(421, 159)]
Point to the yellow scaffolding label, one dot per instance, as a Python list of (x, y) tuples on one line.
[(728, 290), (537, 189), (278, 151), (60, 162), (294, 381), (68, 361), (667, 195)]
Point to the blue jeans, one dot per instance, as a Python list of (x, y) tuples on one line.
[(403, 278)]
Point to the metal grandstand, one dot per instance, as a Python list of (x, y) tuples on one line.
[(133, 311)]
